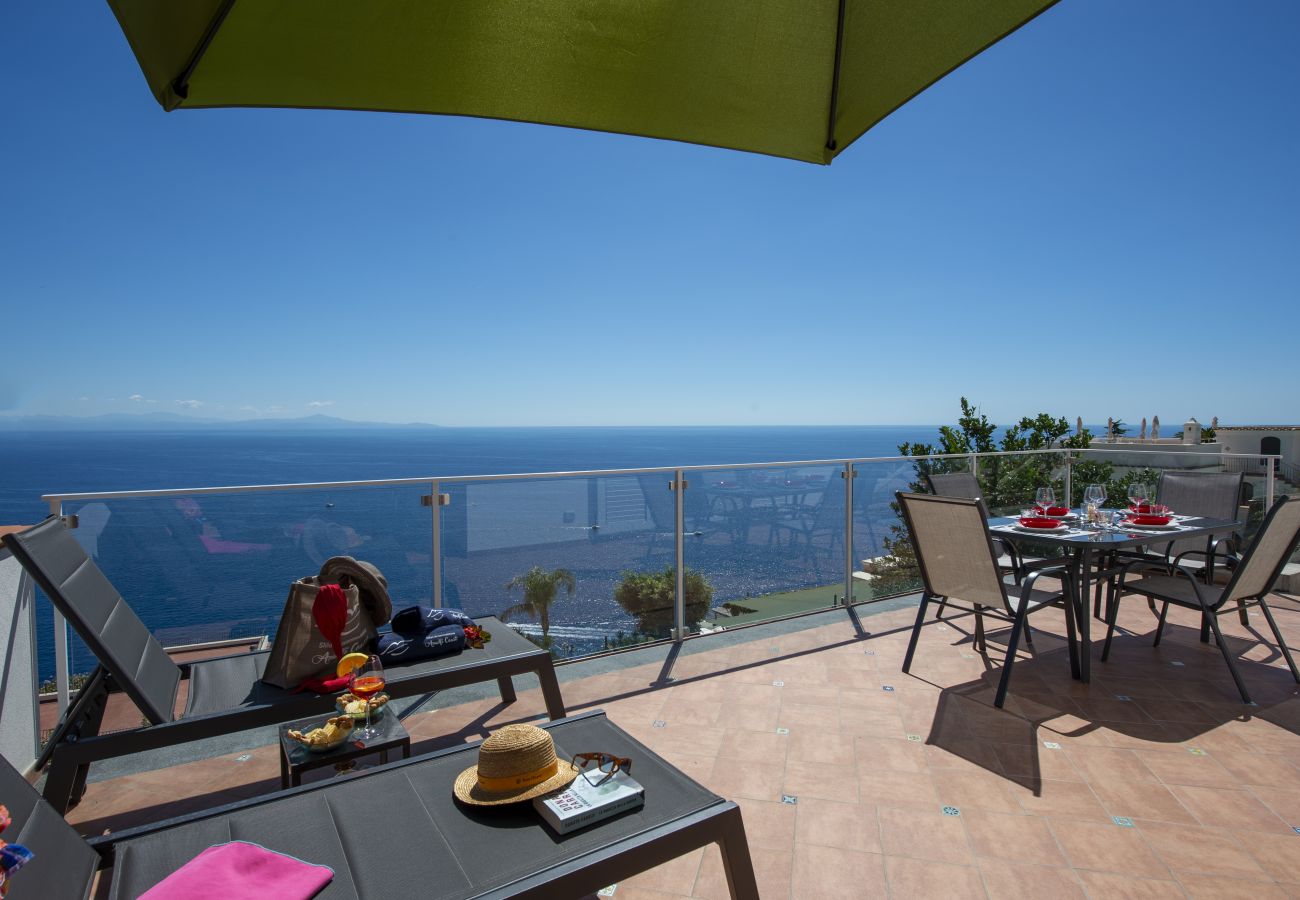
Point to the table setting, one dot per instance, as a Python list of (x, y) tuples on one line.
[(1094, 532)]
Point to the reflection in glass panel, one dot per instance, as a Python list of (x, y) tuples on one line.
[(575, 564), (767, 542), (884, 563), (211, 567)]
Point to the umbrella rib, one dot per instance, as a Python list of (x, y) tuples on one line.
[(181, 84), (835, 79)]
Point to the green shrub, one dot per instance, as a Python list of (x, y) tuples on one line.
[(649, 597)]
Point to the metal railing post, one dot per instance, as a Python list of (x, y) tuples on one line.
[(679, 532), (1268, 487), (848, 475), (975, 464), (437, 547), (62, 680), (1069, 480)]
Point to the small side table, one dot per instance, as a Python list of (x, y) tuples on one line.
[(296, 758)]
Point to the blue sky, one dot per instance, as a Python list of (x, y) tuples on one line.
[(1114, 186)]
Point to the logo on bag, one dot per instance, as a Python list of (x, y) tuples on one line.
[(439, 640), (397, 648)]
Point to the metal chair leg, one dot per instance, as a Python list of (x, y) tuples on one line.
[(1070, 631), (1111, 617), (1227, 655), (1017, 624), (1281, 644), (916, 632), (981, 645), (938, 613), (1160, 624)]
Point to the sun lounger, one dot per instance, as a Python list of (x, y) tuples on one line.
[(396, 831), (225, 694)]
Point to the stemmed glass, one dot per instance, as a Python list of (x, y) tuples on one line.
[(1094, 495), (368, 680), (1045, 498), (1139, 494)]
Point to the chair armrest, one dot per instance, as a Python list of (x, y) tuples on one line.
[(1005, 546), (1066, 572), (1057, 562)]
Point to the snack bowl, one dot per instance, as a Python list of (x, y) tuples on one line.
[(351, 705), (329, 736), (1055, 511)]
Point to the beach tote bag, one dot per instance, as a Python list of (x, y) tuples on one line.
[(300, 650)]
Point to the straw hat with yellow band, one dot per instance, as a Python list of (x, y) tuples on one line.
[(515, 763)]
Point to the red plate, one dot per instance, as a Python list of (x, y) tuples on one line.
[(1148, 520), (1054, 510), (1150, 509), (1046, 524)]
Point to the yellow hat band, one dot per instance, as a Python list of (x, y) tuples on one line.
[(518, 782)]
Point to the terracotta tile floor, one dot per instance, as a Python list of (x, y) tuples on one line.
[(857, 780)]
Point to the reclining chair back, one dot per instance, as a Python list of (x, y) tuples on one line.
[(958, 484), (1214, 495), (1262, 564), (110, 628), (63, 864), (951, 538)]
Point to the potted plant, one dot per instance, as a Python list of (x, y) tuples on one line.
[(649, 597)]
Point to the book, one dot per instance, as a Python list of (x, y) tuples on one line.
[(589, 800)]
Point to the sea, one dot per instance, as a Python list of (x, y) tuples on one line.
[(204, 567)]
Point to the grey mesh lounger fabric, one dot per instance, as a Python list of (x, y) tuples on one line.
[(396, 831), (225, 694)]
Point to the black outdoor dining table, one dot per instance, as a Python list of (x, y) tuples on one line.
[(1086, 545)]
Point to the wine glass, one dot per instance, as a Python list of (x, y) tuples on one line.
[(1094, 495), (368, 680), (1138, 494), (1045, 498)]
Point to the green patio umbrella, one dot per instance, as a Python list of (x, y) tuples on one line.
[(796, 78)]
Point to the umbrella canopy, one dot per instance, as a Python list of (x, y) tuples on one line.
[(796, 78)]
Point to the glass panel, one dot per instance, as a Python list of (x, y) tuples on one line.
[(218, 566), (884, 563), (1010, 483), (766, 542), (603, 531)]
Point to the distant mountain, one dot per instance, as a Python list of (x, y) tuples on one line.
[(166, 421)]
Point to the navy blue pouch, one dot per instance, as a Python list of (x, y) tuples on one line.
[(417, 620), (395, 649)]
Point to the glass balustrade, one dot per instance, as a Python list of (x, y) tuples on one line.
[(762, 542), (208, 567), (580, 563)]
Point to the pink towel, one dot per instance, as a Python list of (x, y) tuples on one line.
[(241, 870)]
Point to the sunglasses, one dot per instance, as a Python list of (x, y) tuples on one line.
[(604, 763)]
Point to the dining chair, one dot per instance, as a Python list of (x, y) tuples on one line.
[(966, 486), (957, 559), (1212, 495), (1253, 577)]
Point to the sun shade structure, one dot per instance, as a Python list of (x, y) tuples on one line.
[(801, 79)]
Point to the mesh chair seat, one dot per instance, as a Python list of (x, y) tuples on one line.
[(1035, 599), (229, 682), (1175, 589)]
